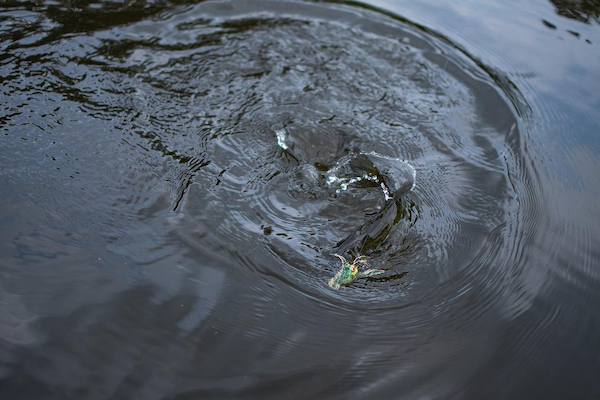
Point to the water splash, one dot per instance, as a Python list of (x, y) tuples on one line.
[(281, 136)]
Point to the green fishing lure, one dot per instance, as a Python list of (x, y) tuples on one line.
[(350, 272)]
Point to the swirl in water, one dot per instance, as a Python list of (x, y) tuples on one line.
[(393, 176)]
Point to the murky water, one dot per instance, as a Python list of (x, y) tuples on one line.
[(175, 182)]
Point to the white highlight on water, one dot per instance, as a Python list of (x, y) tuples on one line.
[(344, 183), (281, 134), (413, 170), (386, 192)]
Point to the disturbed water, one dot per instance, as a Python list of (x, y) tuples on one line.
[(175, 181)]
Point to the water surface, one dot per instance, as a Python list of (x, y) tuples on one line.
[(169, 219)]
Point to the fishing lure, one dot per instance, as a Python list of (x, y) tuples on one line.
[(350, 272)]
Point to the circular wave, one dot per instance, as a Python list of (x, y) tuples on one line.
[(335, 88), (252, 110)]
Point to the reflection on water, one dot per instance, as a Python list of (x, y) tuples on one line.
[(176, 179), (582, 10)]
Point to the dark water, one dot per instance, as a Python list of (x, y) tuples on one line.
[(169, 213)]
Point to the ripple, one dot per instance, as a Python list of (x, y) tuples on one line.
[(299, 74), (231, 125)]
